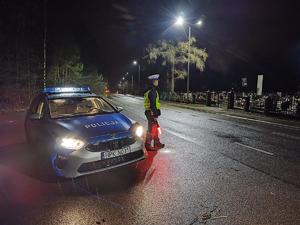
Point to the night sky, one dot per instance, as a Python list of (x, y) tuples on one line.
[(243, 38)]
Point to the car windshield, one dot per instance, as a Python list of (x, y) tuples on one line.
[(68, 107)]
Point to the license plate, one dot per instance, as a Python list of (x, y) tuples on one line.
[(115, 153)]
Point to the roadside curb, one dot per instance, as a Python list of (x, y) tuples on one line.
[(200, 108), (235, 113)]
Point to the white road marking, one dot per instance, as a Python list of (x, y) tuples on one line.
[(133, 100), (197, 143), (286, 135), (140, 98), (167, 151), (261, 121), (132, 96), (256, 149), (183, 137)]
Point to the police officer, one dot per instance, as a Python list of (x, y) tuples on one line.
[(152, 112)]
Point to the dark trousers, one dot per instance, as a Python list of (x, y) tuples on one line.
[(152, 133)]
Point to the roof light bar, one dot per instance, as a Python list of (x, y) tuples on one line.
[(56, 90)]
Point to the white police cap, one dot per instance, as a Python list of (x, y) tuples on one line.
[(154, 77)]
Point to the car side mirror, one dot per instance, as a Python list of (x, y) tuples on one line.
[(119, 108), (35, 116)]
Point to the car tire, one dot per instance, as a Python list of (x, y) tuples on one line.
[(48, 157), (48, 171)]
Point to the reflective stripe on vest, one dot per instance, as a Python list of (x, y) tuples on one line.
[(157, 103), (147, 101)]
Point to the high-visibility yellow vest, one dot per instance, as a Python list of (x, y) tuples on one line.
[(147, 101)]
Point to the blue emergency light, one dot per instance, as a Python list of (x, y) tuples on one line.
[(58, 90)]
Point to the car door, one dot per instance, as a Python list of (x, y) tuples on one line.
[(35, 120)]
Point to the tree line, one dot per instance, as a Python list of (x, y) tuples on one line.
[(22, 26)]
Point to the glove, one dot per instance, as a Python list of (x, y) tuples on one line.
[(158, 112)]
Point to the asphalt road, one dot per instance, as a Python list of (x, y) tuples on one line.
[(215, 169)]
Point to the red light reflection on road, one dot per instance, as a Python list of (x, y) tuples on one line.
[(156, 167)]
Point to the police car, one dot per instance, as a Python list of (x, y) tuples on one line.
[(81, 133)]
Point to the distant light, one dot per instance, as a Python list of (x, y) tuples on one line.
[(123, 78), (199, 23), (134, 62), (179, 21)]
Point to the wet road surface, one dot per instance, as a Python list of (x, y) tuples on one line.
[(215, 169)]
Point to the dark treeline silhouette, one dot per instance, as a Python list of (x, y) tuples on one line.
[(22, 25)]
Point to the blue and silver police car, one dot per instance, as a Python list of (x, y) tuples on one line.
[(82, 133)]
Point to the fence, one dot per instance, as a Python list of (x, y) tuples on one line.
[(269, 103), (272, 103)]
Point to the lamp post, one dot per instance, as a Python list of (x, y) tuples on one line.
[(136, 63), (132, 82), (180, 21), (188, 69), (124, 80)]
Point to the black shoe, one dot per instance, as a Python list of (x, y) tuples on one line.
[(150, 148), (159, 145)]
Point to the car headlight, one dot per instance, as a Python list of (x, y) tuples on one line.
[(139, 130), (70, 143)]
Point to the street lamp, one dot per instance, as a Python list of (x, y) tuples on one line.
[(126, 74), (199, 23), (135, 63), (124, 80), (180, 21)]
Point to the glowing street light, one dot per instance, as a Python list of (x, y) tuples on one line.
[(199, 23), (134, 62), (179, 21)]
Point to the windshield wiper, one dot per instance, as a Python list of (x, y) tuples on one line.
[(107, 111), (101, 111)]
